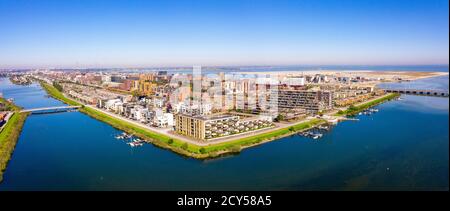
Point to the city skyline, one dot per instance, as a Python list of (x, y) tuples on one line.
[(95, 34)]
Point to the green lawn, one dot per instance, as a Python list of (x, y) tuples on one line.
[(8, 138), (51, 90)]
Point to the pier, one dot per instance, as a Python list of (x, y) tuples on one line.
[(435, 93), (55, 109)]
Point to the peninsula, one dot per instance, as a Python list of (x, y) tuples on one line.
[(208, 130)]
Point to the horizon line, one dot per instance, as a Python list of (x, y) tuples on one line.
[(224, 66)]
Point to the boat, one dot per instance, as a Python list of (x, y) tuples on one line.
[(311, 135), (136, 142), (316, 135), (125, 135)]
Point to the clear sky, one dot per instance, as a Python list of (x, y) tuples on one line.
[(107, 33)]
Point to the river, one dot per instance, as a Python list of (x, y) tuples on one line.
[(404, 146)]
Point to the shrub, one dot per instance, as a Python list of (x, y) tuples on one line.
[(184, 146), (202, 150), (170, 141), (58, 86), (235, 148)]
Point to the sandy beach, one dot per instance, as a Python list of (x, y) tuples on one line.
[(385, 75)]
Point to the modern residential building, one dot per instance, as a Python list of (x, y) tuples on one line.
[(311, 101), (215, 126), (163, 119), (146, 84)]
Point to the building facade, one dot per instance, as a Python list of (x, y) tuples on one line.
[(311, 101)]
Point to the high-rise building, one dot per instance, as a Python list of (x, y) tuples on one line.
[(146, 85)]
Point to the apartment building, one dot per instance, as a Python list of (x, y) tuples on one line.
[(210, 127), (190, 126), (146, 84), (311, 101)]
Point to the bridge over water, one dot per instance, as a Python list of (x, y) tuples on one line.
[(51, 109), (436, 93)]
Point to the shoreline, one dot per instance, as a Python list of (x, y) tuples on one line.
[(184, 148), (409, 75), (350, 111), (9, 136)]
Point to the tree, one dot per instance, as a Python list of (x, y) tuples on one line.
[(351, 108), (170, 141), (279, 118), (57, 86), (135, 93), (235, 148), (202, 150), (184, 146)]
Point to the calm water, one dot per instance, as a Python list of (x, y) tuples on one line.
[(215, 70), (404, 146)]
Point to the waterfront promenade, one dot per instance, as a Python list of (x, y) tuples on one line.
[(186, 146), (166, 131)]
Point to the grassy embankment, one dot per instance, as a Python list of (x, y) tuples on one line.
[(352, 110), (10, 134), (179, 146)]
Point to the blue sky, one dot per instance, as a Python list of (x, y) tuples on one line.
[(105, 33)]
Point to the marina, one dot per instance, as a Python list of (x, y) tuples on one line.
[(130, 139), (368, 112)]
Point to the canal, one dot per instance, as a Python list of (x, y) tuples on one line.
[(404, 146)]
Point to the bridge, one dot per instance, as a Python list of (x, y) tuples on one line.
[(51, 109), (436, 93)]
